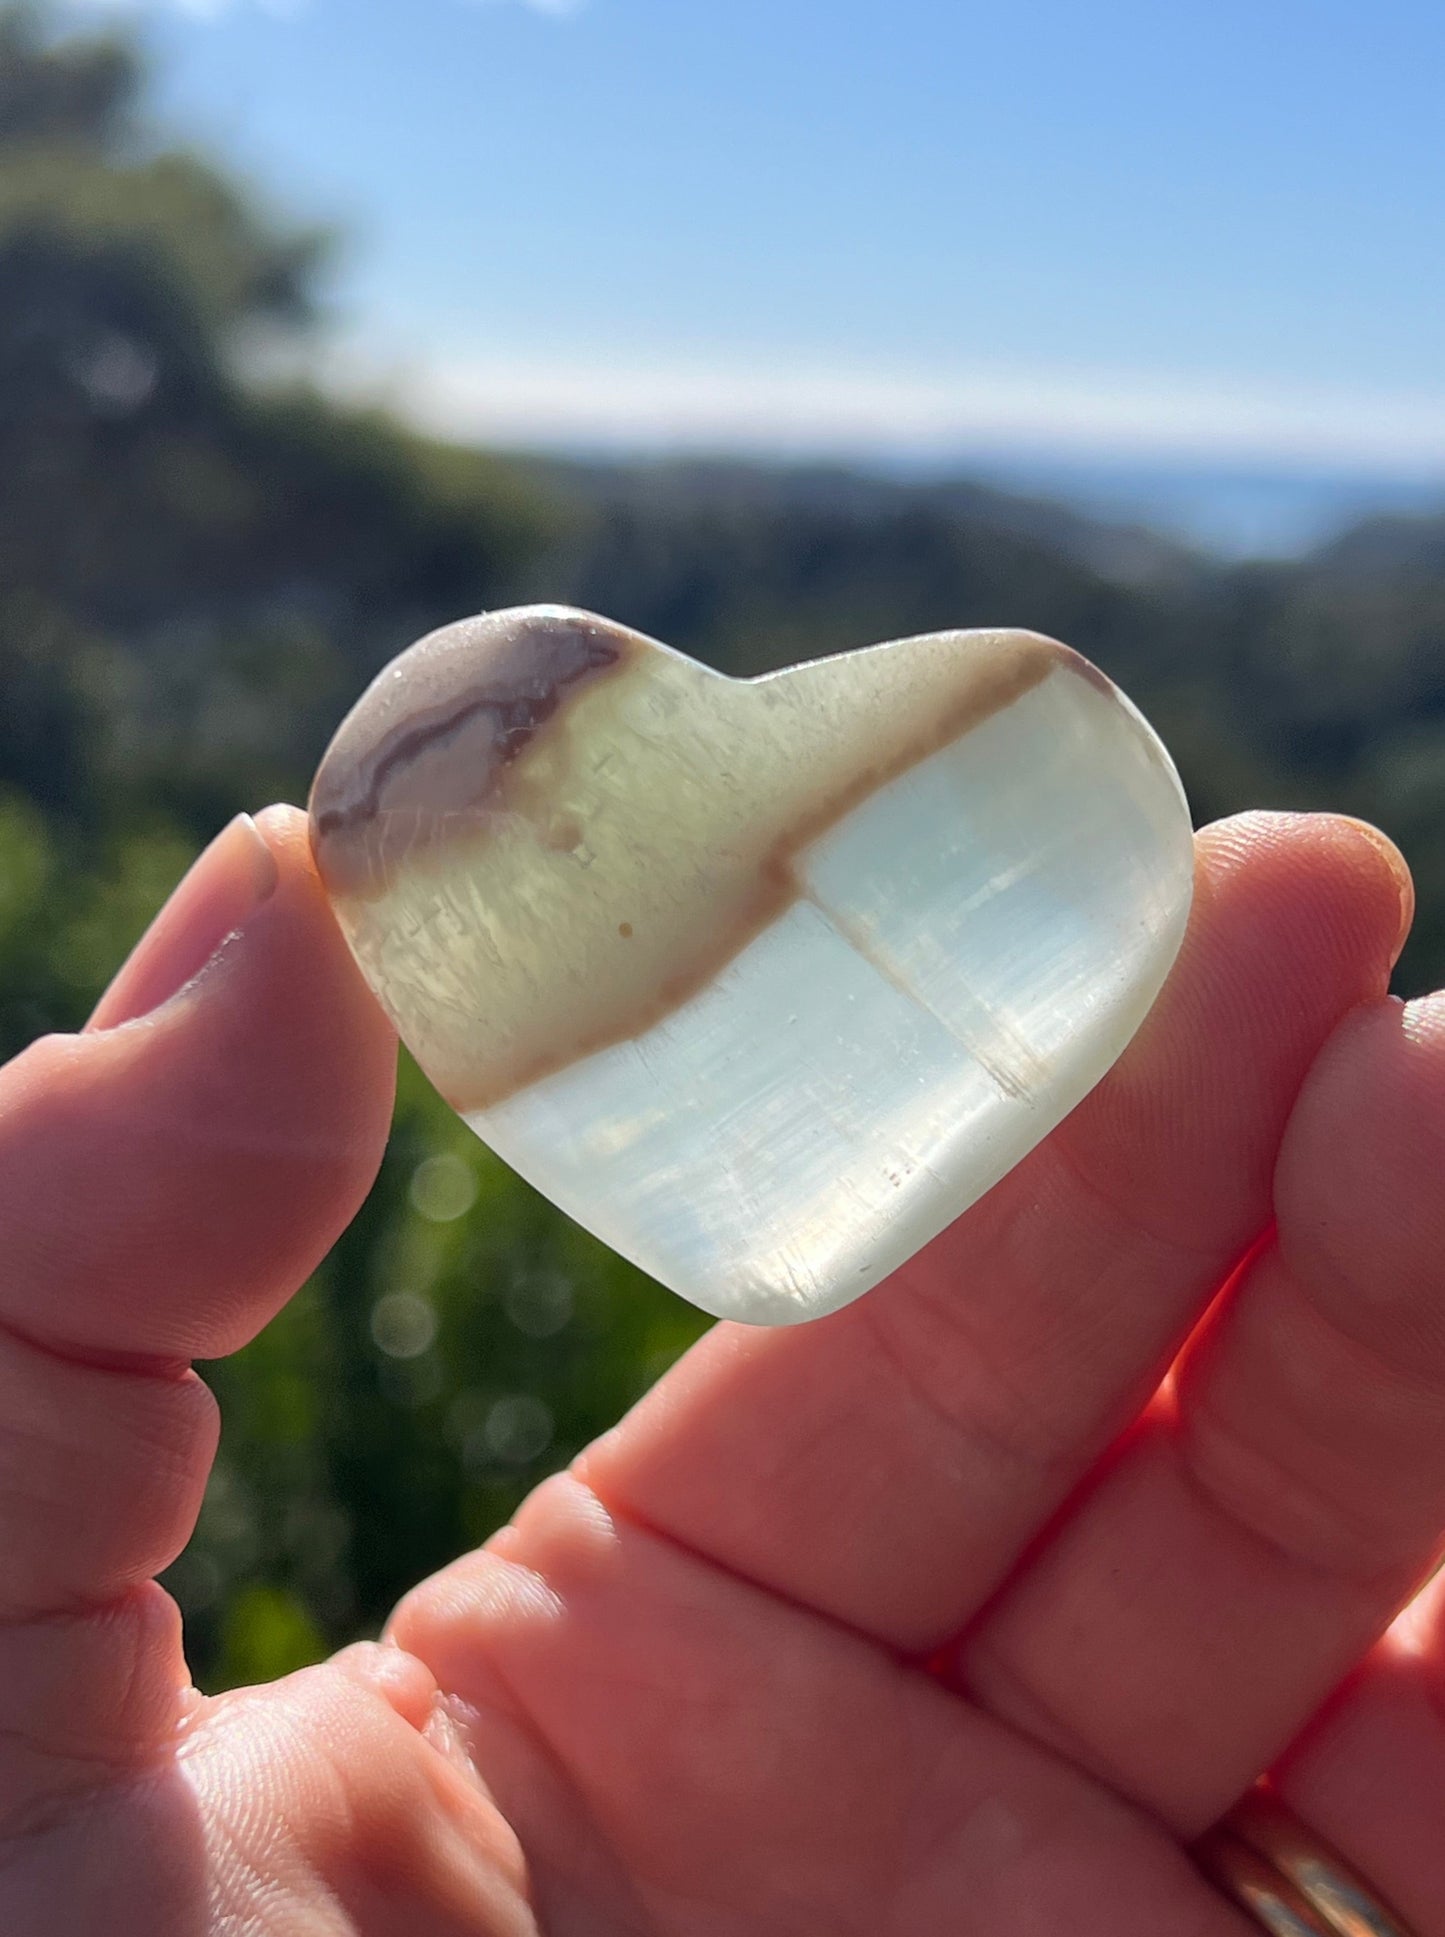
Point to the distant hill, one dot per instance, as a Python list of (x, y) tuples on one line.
[(753, 566), (1393, 546), (679, 487)]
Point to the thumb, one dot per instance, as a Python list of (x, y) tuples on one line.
[(167, 1179)]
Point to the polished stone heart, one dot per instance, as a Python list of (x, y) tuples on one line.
[(763, 981)]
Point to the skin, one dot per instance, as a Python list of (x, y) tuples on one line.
[(963, 1610)]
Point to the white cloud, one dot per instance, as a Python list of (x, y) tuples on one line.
[(775, 409)]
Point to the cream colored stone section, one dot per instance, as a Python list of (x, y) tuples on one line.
[(644, 837)]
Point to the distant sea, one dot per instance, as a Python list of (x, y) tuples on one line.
[(1245, 510), (1236, 513)]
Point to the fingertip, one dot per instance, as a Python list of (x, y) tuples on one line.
[(402, 1681), (1357, 852), (1394, 869), (1347, 886), (1356, 1189), (283, 829), (232, 877), (1423, 1021)]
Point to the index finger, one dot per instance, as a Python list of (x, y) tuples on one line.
[(888, 1465)]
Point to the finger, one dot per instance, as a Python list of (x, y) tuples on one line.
[(316, 1805), (165, 1183), (887, 1465), (678, 1751), (1369, 1773), (1288, 1497)]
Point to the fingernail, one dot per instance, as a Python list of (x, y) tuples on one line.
[(217, 895), (1400, 869)]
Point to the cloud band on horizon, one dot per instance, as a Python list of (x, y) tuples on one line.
[(770, 409)]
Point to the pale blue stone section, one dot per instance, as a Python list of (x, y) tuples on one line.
[(975, 945)]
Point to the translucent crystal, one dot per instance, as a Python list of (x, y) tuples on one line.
[(763, 981)]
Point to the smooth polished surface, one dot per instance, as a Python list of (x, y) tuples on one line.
[(763, 981)]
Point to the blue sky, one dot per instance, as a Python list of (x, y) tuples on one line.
[(1211, 233)]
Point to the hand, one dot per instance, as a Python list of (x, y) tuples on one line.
[(938, 1616)]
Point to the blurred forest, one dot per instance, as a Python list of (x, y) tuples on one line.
[(198, 572)]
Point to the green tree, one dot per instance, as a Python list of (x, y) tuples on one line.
[(195, 572)]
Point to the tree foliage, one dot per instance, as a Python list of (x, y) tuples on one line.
[(80, 93)]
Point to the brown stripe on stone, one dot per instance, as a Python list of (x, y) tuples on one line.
[(1086, 669), (497, 682), (775, 886)]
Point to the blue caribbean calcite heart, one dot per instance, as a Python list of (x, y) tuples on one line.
[(763, 981)]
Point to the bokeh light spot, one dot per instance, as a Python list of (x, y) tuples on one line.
[(539, 1303), (403, 1325), (443, 1188), (517, 1430)]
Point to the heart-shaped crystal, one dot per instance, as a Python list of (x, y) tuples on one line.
[(763, 981)]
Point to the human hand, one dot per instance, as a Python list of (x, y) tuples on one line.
[(937, 1615)]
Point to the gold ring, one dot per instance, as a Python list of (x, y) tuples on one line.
[(1289, 1880)]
